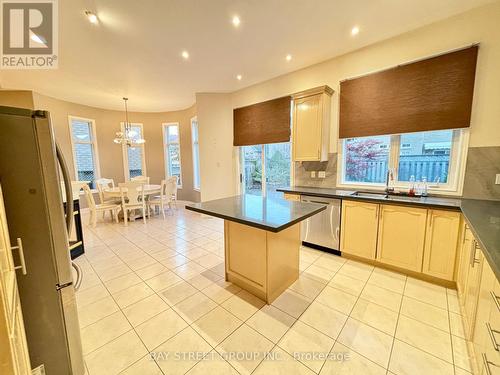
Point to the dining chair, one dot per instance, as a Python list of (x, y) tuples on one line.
[(102, 185), (165, 198), (94, 208), (142, 179), (132, 194), (175, 182)]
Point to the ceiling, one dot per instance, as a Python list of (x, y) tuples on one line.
[(135, 49)]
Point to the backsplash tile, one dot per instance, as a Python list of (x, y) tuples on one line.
[(483, 163), (303, 172)]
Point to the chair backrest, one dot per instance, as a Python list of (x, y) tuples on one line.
[(170, 187), (103, 184), (132, 193), (143, 179), (88, 196)]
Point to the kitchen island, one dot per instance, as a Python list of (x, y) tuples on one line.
[(261, 239)]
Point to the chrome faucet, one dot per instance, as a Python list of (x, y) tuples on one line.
[(388, 177)]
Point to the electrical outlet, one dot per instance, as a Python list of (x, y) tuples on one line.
[(313, 174), (321, 174), (497, 179)]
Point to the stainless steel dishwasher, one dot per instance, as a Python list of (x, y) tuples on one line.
[(323, 229)]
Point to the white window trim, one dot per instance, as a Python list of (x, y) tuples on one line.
[(126, 171), (165, 125), (454, 185), (196, 188), (93, 142)]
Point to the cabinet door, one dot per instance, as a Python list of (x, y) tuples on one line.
[(307, 116), (481, 338), (441, 244), (401, 236), (358, 232), (291, 197), (493, 341), (463, 268), (472, 287)]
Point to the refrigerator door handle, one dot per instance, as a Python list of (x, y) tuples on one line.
[(69, 209), (67, 189), (79, 275)]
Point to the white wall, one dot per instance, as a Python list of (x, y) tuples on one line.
[(219, 157), (217, 162), (477, 25)]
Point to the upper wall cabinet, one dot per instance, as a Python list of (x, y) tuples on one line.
[(311, 124)]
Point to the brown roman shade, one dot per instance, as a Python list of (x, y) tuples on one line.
[(431, 94), (261, 123)]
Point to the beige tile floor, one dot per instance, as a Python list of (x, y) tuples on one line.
[(154, 301)]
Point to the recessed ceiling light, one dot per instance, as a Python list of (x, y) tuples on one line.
[(185, 55), (239, 77), (236, 21), (91, 17), (355, 30), (288, 57)]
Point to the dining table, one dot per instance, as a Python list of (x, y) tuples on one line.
[(115, 192)]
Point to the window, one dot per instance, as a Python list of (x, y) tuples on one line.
[(134, 159), (171, 140), (84, 144), (196, 153), (436, 156), (264, 168)]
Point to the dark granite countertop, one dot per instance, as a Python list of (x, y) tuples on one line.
[(268, 213), (436, 202), (483, 216)]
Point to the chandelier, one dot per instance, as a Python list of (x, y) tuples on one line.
[(128, 136)]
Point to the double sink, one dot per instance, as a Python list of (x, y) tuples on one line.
[(384, 196)]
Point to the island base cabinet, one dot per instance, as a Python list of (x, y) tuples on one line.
[(401, 236), (261, 262), (441, 244), (358, 234)]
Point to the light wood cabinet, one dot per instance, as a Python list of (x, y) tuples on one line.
[(441, 243), (14, 357), (486, 307), (291, 197), (401, 236), (311, 124), (465, 249), (472, 286), (358, 235)]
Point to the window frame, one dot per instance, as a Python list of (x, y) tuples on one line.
[(456, 171), (196, 163), (166, 155), (126, 169), (92, 142), (241, 172)]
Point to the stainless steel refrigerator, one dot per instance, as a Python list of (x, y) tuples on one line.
[(30, 172)]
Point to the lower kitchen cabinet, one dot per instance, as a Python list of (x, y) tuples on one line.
[(441, 244), (471, 293), (401, 236), (484, 328), (464, 250), (291, 197), (359, 228)]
